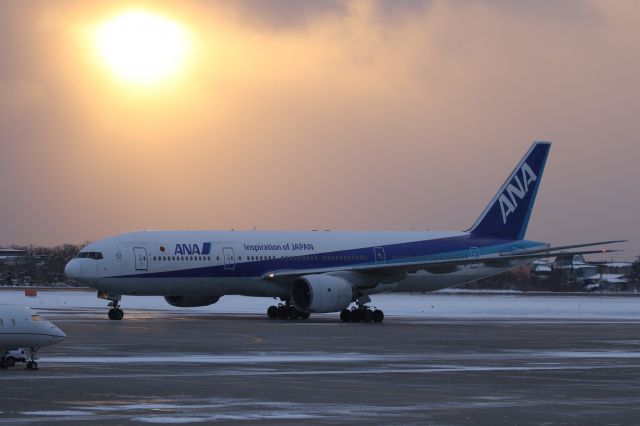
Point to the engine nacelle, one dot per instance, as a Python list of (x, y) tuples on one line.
[(191, 301), (322, 293)]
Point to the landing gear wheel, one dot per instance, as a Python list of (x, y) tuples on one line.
[(3, 363), (361, 313), (11, 361), (283, 312), (345, 315), (367, 315), (116, 314), (272, 312), (286, 311), (356, 315), (32, 365)]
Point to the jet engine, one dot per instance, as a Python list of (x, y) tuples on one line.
[(191, 301), (322, 293)]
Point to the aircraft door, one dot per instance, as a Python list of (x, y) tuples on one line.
[(378, 253), (228, 255), (140, 255)]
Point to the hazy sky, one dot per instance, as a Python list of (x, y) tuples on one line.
[(333, 115)]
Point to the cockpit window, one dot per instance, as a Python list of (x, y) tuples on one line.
[(95, 255), (37, 318)]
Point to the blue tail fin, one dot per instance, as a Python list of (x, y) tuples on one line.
[(507, 215)]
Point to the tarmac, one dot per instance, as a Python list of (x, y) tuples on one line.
[(167, 367)]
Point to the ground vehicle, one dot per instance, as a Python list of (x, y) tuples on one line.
[(14, 356)]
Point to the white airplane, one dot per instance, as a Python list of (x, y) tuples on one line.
[(319, 271), (24, 328)]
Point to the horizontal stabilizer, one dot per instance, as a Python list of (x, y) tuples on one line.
[(549, 250)]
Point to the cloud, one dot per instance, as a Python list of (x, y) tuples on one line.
[(283, 14), (298, 115)]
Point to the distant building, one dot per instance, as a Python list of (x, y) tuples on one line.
[(623, 268), (11, 255), (610, 282), (542, 269), (575, 269)]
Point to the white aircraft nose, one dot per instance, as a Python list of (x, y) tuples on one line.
[(58, 334), (72, 269)]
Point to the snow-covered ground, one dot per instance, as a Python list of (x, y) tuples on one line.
[(439, 305)]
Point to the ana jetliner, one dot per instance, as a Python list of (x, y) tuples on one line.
[(319, 271)]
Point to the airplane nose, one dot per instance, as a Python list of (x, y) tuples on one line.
[(72, 269), (59, 334)]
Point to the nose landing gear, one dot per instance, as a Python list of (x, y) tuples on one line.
[(115, 313), (31, 362)]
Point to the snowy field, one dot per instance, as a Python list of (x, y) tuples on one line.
[(439, 305)]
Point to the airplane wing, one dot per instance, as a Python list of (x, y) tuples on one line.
[(497, 260)]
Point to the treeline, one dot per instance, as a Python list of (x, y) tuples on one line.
[(41, 266)]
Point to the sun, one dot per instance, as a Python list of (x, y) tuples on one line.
[(141, 47)]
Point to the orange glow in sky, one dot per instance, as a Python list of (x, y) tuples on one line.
[(354, 115), (141, 47)]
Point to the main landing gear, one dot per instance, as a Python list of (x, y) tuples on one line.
[(286, 311), (361, 313)]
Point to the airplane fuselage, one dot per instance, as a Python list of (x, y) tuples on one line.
[(218, 263), (22, 327)]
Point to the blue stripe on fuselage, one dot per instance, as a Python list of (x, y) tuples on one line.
[(439, 249)]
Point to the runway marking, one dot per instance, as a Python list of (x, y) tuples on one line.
[(179, 411), (313, 357), (247, 410), (255, 339), (307, 372), (55, 413)]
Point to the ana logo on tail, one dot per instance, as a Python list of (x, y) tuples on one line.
[(516, 190)]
